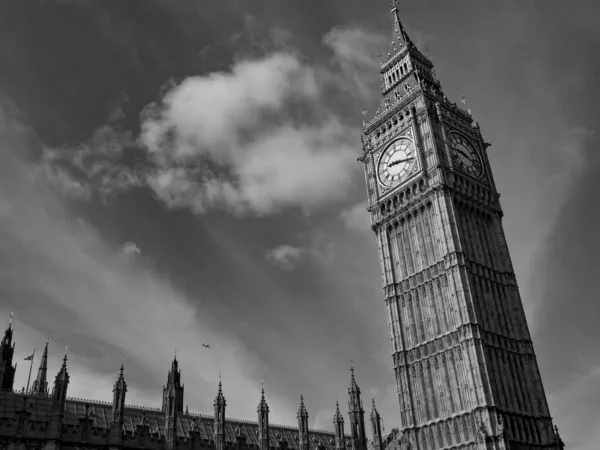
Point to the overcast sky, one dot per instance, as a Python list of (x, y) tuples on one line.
[(173, 173)]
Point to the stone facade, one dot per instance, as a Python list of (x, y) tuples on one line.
[(465, 367), (39, 419)]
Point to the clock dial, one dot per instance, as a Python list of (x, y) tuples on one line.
[(397, 162), (464, 155)]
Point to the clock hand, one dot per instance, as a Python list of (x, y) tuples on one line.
[(399, 161)]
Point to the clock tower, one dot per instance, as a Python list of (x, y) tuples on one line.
[(465, 367)]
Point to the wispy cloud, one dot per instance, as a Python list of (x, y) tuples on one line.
[(287, 256), (245, 140), (56, 259)]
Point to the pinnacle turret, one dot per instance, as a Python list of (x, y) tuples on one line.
[(262, 405), (219, 421), (376, 428), (357, 419), (7, 339), (63, 375), (61, 383), (302, 409), (40, 384), (338, 424), (121, 384), (263, 422), (119, 393), (7, 350)]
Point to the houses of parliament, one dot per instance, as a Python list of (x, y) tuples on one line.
[(464, 364)]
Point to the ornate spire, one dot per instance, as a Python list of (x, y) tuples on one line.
[(61, 384), (119, 393), (7, 350), (7, 340), (376, 428), (337, 417), (219, 420), (63, 375), (40, 384), (303, 443), (220, 399), (262, 406), (302, 409), (400, 39), (353, 389), (263, 422), (357, 419), (338, 425), (120, 384)]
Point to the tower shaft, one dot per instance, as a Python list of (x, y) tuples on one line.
[(464, 362)]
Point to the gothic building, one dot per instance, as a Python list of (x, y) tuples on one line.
[(465, 367), (464, 363), (39, 418)]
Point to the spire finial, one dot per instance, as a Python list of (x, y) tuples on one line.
[(66, 349), (393, 5), (11, 318)]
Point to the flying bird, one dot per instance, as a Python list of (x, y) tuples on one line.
[(205, 345)]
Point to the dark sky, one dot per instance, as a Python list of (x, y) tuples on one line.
[(182, 172)]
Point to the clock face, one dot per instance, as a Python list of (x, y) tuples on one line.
[(397, 162), (464, 155)]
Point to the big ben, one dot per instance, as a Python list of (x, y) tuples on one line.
[(465, 367)]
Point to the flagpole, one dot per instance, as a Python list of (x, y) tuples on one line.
[(30, 367)]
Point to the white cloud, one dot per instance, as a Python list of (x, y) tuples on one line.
[(131, 249), (66, 269), (257, 139), (285, 256), (264, 155)]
